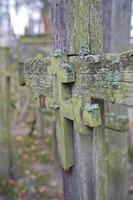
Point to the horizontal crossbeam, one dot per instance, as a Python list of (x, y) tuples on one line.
[(108, 77)]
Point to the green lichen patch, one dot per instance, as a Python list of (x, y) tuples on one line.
[(84, 51), (91, 107), (114, 57), (58, 53)]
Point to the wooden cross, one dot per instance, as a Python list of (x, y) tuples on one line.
[(73, 85)]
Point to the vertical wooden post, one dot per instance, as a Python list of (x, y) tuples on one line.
[(78, 23), (121, 19), (116, 25), (5, 134), (39, 122), (116, 21)]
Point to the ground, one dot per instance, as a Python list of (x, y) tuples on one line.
[(34, 175)]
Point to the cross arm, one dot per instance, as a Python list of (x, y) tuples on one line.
[(33, 73), (108, 77)]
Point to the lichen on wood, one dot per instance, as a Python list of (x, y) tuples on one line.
[(34, 73)]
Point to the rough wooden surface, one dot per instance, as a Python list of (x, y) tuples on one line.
[(34, 73), (5, 134), (107, 77), (116, 18), (73, 26), (121, 19), (107, 25), (116, 25), (118, 164)]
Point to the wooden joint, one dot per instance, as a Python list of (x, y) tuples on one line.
[(67, 110), (67, 74), (78, 103), (91, 115)]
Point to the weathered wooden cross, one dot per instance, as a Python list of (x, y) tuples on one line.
[(73, 85)]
